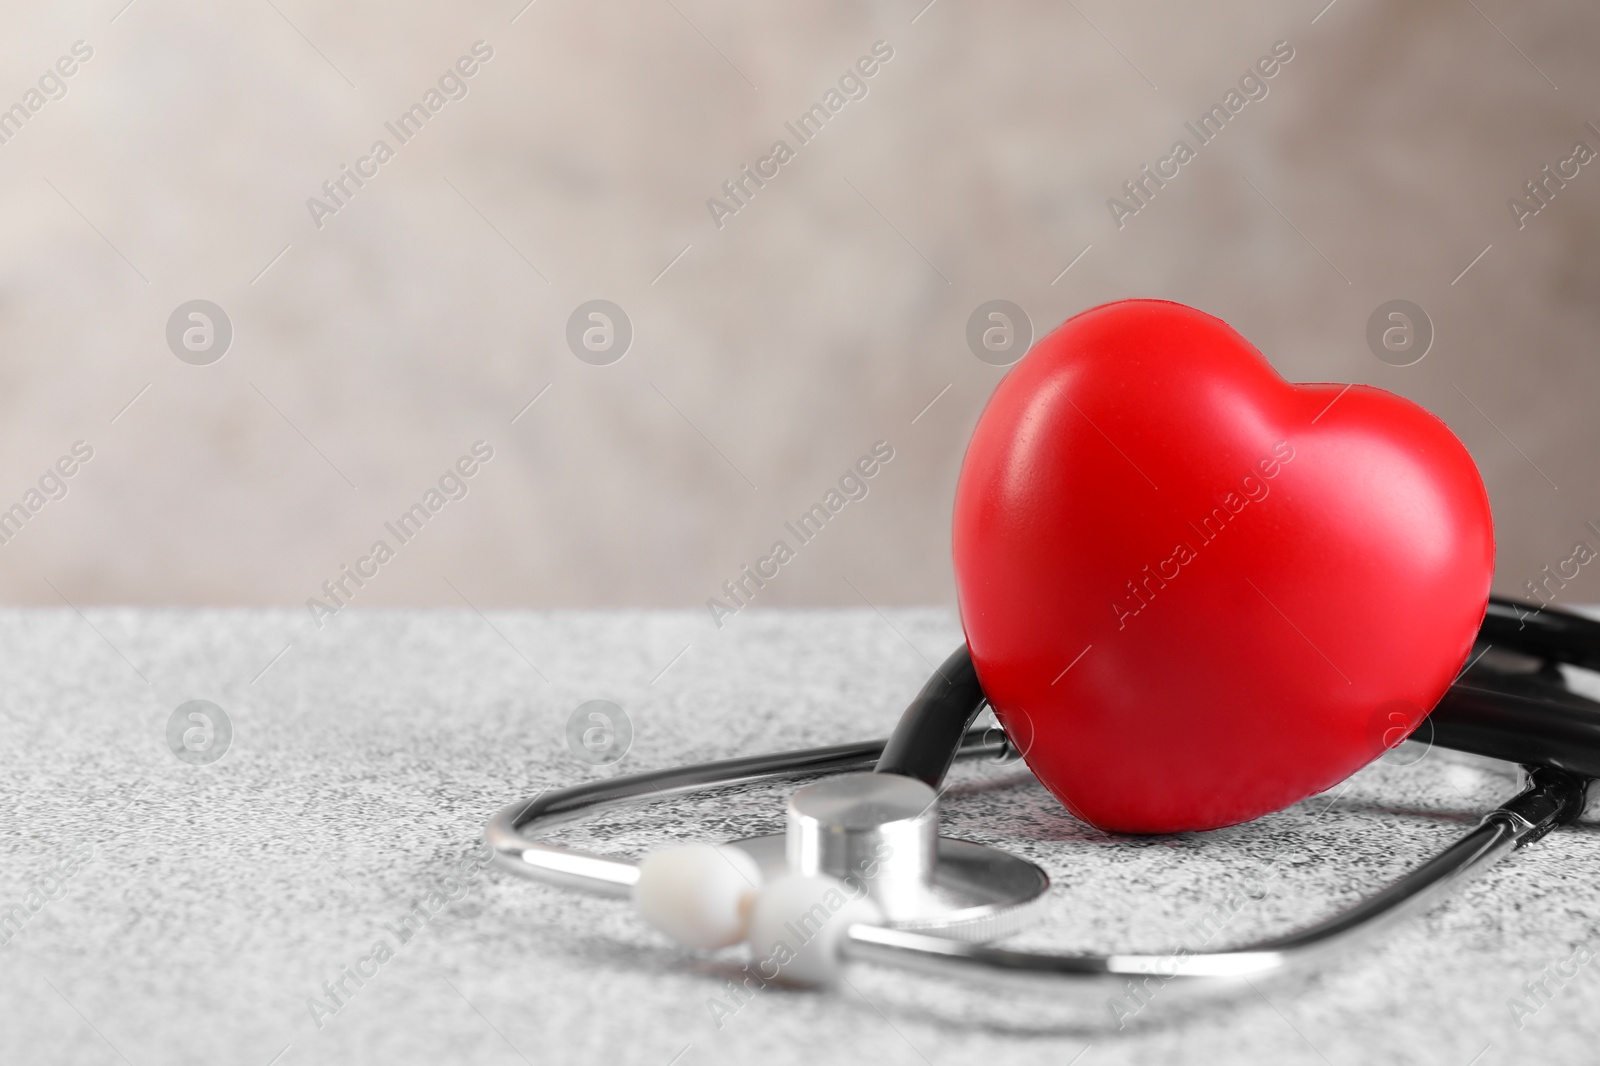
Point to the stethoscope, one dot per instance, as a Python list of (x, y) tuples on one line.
[(861, 874), (1204, 499)]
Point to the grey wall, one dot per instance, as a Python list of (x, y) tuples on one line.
[(822, 317)]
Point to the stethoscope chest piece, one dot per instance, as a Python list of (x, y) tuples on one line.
[(879, 835)]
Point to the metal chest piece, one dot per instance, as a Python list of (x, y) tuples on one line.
[(881, 831)]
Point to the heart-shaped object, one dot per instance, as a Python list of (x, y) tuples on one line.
[(1196, 593)]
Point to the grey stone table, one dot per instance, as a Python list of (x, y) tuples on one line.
[(158, 911)]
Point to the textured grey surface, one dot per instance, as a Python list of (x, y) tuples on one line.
[(365, 761)]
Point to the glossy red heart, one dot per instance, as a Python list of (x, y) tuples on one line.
[(1196, 593)]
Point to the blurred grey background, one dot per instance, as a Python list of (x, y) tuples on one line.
[(768, 353)]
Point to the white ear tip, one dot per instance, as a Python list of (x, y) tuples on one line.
[(797, 927), (698, 894)]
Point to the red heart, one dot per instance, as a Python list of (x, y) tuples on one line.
[(1196, 593)]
